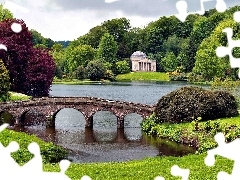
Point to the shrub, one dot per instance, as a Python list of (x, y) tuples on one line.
[(185, 103), (80, 73), (95, 70), (122, 67)]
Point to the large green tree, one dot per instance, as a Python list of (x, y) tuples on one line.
[(208, 64), (107, 49), (79, 55)]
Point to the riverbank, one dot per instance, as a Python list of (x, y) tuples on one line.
[(199, 135), (78, 82), (133, 76)]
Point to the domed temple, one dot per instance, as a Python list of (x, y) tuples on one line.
[(140, 62)]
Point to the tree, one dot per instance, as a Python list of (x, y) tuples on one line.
[(31, 70), (80, 73), (39, 73), (4, 81), (107, 49), (5, 13), (39, 39), (169, 62), (79, 56), (207, 63), (122, 67), (95, 70), (203, 28)]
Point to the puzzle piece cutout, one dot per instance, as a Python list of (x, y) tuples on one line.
[(177, 171), (33, 168), (182, 8), (229, 151), (224, 51)]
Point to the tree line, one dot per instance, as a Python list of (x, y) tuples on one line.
[(180, 48)]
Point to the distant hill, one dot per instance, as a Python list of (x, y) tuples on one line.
[(64, 43)]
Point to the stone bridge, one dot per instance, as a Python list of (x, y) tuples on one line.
[(48, 107)]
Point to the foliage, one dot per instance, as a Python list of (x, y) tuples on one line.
[(178, 74), (169, 62), (5, 13), (80, 73), (50, 152), (79, 56), (187, 102), (197, 134), (207, 63), (4, 81), (202, 29), (107, 49), (95, 70), (39, 73), (31, 70), (122, 67), (39, 40)]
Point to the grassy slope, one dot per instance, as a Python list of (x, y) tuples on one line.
[(143, 76)]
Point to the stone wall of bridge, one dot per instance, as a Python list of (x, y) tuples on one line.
[(88, 106)]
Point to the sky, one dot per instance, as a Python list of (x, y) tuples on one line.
[(69, 19)]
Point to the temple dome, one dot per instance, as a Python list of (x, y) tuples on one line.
[(139, 54)]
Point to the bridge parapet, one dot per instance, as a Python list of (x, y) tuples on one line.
[(88, 106)]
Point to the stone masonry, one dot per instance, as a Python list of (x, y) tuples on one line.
[(88, 106)]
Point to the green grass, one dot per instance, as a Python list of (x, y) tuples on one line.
[(13, 96), (50, 152), (18, 96), (147, 169), (201, 137), (143, 76)]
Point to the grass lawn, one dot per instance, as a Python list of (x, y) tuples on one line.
[(143, 76), (147, 169)]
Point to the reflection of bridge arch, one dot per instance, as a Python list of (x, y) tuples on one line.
[(88, 106)]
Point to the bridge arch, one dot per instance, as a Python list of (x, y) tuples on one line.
[(32, 117), (133, 120), (71, 113), (6, 117), (104, 118)]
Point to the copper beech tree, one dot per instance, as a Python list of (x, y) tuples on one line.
[(31, 70)]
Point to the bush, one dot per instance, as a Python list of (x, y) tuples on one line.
[(122, 67), (4, 82), (95, 70), (80, 73), (186, 103)]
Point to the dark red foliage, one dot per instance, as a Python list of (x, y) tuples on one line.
[(31, 70)]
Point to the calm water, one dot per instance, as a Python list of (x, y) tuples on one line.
[(105, 142)]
